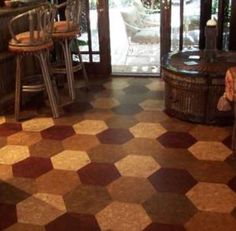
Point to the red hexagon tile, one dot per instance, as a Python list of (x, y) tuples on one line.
[(114, 136), (7, 215), (232, 184), (172, 180), (98, 174), (7, 129), (25, 227), (212, 197), (176, 140), (123, 216), (55, 133), (164, 227)]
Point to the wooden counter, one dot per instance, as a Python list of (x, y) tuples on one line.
[(192, 91), (7, 59)]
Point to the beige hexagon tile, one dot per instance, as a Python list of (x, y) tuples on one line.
[(116, 84), (70, 160), (35, 211), (2, 119), (11, 154), (5, 172), (207, 150), (24, 138), (137, 165), (152, 105), (156, 85), (119, 216), (212, 197), (147, 130), (51, 199), (90, 127), (37, 124), (105, 103)]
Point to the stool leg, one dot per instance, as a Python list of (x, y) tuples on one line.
[(18, 87), (48, 84)]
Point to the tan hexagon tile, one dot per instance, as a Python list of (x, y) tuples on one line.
[(207, 150), (105, 103), (156, 85), (138, 166), (2, 119), (24, 138), (212, 197), (119, 216), (90, 127), (35, 211), (11, 154), (147, 130), (70, 160), (53, 200), (152, 105), (5, 172), (116, 84), (37, 124)]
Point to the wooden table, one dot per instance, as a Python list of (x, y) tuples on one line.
[(192, 91)]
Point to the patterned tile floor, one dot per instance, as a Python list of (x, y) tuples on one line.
[(116, 161)]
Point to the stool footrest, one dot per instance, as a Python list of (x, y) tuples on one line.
[(33, 83)]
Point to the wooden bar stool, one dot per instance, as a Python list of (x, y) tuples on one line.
[(64, 31), (34, 42)]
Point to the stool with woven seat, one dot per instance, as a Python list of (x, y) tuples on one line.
[(34, 42), (64, 32)]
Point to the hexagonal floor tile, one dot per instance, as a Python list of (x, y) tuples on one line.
[(127, 109), (11, 154), (80, 142), (232, 183), (136, 89), (5, 172), (212, 197), (57, 182), (164, 227), (116, 84), (210, 150), (58, 132), (90, 127), (87, 199), (37, 124), (46, 148), (121, 121), (157, 85), (105, 103), (147, 130), (7, 215), (32, 167), (121, 216), (137, 166), (206, 221), (98, 174), (77, 107), (70, 160), (73, 222), (172, 180), (7, 129), (24, 138), (151, 116), (176, 140), (35, 211), (131, 189), (97, 114), (25, 227), (163, 207), (152, 105), (114, 136)]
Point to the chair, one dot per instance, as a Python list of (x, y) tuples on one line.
[(65, 32), (34, 42)]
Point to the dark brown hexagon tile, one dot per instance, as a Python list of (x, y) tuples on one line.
[(227, 141), (131, 189), (58, 132), (98, 174), (176, 140), (80, 142), (24, 227), (232, 183), (175, 125), (169, 208), (10, 194), (7, 215), (172, 180), (106, 153), (87, 199), (32, 167), (73, 222), (127, 109), (164, 227), (231, 160), (115, 136), (121, 121), (57, 182), (7, 129), (77, 107), (46, 148), (136, 89)]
